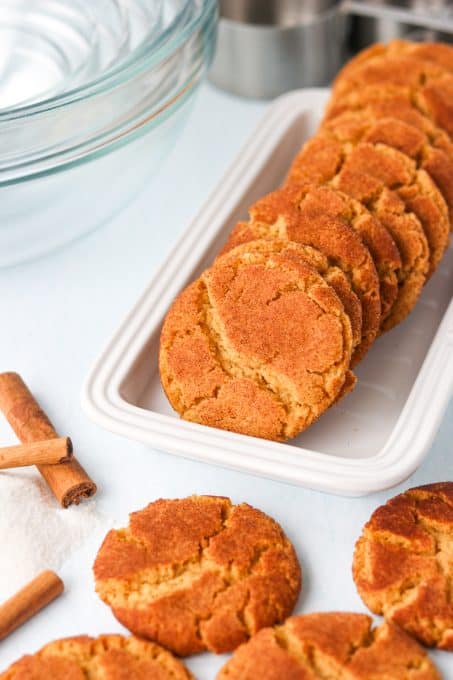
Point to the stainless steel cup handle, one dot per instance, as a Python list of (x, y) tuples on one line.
[(443, 24)]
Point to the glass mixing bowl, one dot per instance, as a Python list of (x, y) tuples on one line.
[(93, 94)]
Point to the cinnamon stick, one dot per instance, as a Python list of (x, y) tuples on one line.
[(47, 452), (69, 482), (28, 601)]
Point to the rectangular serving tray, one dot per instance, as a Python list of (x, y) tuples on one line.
[(373, 439)]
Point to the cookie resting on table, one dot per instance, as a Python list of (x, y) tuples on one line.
[(403, 563), (198, 573), (110, 657)]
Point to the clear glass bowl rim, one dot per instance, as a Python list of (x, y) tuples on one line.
[(202, 23), (141, 59)]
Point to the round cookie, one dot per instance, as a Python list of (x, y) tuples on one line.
[(326, 201), (260, 344), (293, 213), (111, 657), (337, 646), (425, 84), (436, 52), (198, 573), (365, 172), (403, 563), (363, 126), (385, 102), (440, 54), (251, 238), (243, 241), (393, 170)]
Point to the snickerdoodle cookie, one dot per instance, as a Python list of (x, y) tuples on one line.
[(110, 657), (314, 202), (332, 274), (296, 214), (367, 172), (337, 646), (425, 84), (260, 344), (440, 54), (413, 140), (198, 573), (403, 563), (393, 169)]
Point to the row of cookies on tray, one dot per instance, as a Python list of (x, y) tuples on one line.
[(201, 574), (263, 342)]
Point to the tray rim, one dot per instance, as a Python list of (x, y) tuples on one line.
[(101, 397)]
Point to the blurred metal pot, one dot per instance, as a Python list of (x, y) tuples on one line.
[(267, 47), (384, 20)]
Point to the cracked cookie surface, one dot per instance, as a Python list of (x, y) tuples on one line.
[(260, 344), (425, 84), (251, 238), (108, 657), (321, 218), (431, 152), (388, 166), (333, 646), (367, 172), (387, 101), (440, 54), (403, 563), (198, 573)]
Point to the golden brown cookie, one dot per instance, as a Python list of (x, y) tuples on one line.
[(397, 172), (260, 344), (293, 213), (425, 84), (333, 646), (332, 274), (383, 250), (198, 573), (386, 102), (365, 172), (403, 563), (363, 126), (438, 53), (110, 657), (326, 201)]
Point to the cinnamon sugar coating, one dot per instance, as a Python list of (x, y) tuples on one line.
[(110, 657), (403, 563), (439, 54), (425, 84), (260, 344), (241, 239), (387, 101), (332, 645), (391, 168), (198, 573), (385, 181), (431, 152), (324, 219)]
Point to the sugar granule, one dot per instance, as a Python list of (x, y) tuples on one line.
[(35, 532)]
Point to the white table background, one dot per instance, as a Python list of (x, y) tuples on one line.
[(57, 314)]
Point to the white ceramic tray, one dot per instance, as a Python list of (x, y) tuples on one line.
[(373, 439)]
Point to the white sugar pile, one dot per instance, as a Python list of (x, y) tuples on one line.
[(35, 532)]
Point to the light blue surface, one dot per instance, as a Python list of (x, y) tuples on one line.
[(57, 314)]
